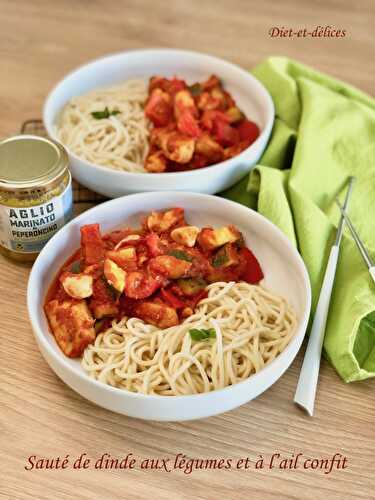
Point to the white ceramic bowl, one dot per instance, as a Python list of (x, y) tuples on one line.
[(249, 93), (284, 273)]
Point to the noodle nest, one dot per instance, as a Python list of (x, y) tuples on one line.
[(252, 326), (119, 141)]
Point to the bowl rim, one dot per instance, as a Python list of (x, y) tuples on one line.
[(266, 98), (62, 361)]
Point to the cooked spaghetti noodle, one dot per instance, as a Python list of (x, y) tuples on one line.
[(252, 326), (119, 140)]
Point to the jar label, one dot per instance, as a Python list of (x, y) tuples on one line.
[(27, 229)]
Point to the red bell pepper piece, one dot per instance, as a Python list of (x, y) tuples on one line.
[(212, 82), (159, 108), (171, 299), (197, 298), (226, 135), (92, 244), (248, 131), (212, 116), (171, 86), (175, 85), (253, 272), (188, 125)]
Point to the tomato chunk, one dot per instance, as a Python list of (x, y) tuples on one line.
[(188, 125), (154, 244), (139, 285)]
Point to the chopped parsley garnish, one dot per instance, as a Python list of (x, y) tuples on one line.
[(220, 259), (191, 286), (180, 254), (240, 243), (195, 89), (106, 113), (99, 325), (202, 334), (114, 294), (75, 267)]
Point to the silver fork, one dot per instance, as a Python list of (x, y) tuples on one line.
[(361, 247), (308, 378)]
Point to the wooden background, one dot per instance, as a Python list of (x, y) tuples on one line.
[(39, 42)]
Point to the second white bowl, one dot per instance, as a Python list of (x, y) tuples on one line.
[(249, 93), (284, 272)]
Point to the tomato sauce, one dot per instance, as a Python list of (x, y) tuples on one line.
[(158, 272), (194, 126)]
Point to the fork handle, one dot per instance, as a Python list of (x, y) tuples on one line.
[(308, 379)]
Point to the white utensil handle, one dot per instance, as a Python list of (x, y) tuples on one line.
[(372, 272), (308, 379)]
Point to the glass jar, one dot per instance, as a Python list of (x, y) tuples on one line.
[(35, 194)]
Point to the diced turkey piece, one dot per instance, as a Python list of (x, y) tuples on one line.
[(77, 286), (169, 266), (124, 257), (209, 238), (159, 315), (131, 238), (186, 235), (105, 310), (156, 162), (178, 147), (160, 222), (72, 325)]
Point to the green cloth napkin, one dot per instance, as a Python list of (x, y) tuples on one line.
[(324, 132)]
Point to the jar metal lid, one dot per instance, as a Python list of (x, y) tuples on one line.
[(27, 161)]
